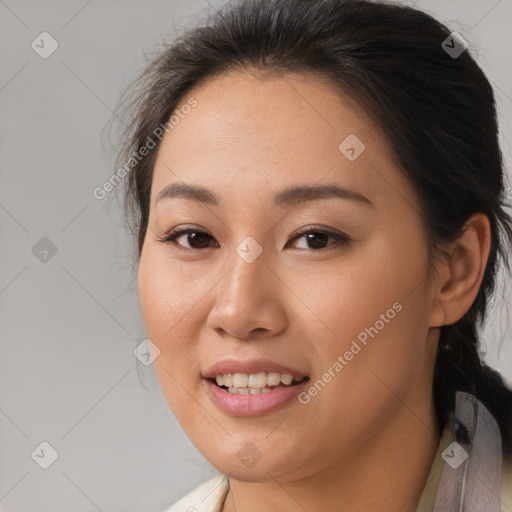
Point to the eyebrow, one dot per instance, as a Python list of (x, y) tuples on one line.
[(288, 197)]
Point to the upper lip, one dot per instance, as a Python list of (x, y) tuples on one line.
[(250, 366)]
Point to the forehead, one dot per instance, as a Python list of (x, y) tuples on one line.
[(255, 132), (255, 112)]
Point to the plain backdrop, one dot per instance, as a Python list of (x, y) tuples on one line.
[(69, 311)]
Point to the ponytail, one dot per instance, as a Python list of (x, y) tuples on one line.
[(459, 367)]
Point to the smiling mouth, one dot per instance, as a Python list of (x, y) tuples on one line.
[(254, 384)]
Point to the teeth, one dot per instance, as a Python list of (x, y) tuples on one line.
[(273, 379), (240, 380), (248, 391), (286, 379), (256, 381)]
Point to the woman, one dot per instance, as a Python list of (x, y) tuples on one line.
[(318, 196)]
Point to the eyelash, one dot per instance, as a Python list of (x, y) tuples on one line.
[(170, 238)]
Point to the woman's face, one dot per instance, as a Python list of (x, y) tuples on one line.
[(349, 309)]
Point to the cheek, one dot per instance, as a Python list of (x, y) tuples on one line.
[(373, 312), (170, 304), (363, 290), (167, 295), (364, 376)]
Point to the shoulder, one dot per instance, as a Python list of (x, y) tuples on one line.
[(206, 497)]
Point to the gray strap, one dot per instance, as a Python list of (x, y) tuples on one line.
[(471, 476)]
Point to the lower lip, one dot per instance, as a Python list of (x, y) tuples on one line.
[(252, 405)]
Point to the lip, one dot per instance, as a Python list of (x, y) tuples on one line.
[(250, 366), (252, 405)]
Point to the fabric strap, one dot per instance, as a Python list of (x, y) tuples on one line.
[(471, 475)]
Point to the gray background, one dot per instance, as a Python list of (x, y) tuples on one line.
[(69, 325)]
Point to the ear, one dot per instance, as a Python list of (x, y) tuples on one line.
[(460, 274)]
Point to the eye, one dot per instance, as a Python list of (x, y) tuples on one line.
[(198, 239), (194, 236), (318, 237)]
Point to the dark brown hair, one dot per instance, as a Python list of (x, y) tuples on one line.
[(438, 113)]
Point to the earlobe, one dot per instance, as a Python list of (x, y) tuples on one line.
[(461, 272)]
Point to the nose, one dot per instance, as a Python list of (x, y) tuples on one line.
[(249, 302)]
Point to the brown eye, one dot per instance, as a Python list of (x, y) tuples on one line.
[(317, 238), (195, 238)]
